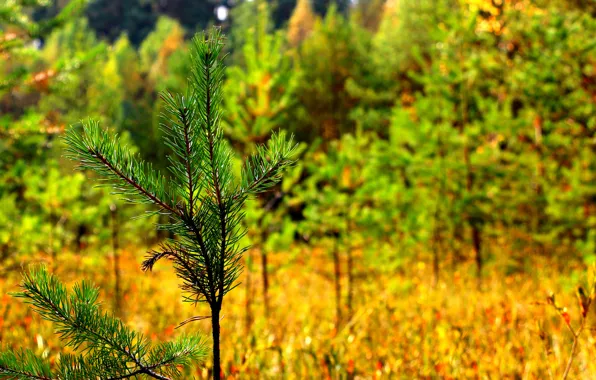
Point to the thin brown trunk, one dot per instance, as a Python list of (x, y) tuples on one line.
[(437, 241), (476, 234), (215, 312), (248, 298), (540, 172), (477, 239), (350, 283), (265, 274), (116, 256), (337, 278), (436, 246)]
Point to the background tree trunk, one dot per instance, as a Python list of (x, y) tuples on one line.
[(337, 279), (116, 258)]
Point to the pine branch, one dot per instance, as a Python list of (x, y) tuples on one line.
[(77, 316), (95, 149), (179, 127), (23, 365), (206, 83), (264, 169), (93, 367), (189, 268), (171, 356), (112, 350)]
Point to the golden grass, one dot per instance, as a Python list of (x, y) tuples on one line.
[(402, 327)]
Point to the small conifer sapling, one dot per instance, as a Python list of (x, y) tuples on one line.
[(202, 198)]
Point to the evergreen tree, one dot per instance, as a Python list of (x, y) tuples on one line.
[(259, 93), (242, 19), (417, 169), (301, 23), (30, 80), (402, 45), (326, 60), (158, 47), (20, 69), (70, 218), (552, 127), (204, 202), (76, 94), (368, 13), (454, 95), (517, 130)]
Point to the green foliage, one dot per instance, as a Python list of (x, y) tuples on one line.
[(326, 60), (110, 349), (242, 17), (17, 30), (403, 43), (493, 141), (44, 95), (162, 66), (260, 92), (559, 164), (204, 202), (445, 130), (494, 95), (101, 152)]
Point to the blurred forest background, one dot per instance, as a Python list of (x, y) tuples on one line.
[(446, 178)]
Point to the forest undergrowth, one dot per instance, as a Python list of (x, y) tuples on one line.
[(401, 325)]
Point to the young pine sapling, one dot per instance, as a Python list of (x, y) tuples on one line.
[(203, 201)]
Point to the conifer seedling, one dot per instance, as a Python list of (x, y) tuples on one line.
[(202, 198)]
